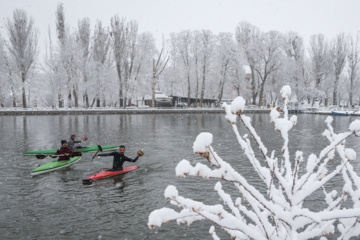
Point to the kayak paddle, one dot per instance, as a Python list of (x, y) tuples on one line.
[(100, 149)]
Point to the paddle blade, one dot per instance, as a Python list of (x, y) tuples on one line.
[(100, 148), (40, 156)]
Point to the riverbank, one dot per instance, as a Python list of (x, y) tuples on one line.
[(73, 111)]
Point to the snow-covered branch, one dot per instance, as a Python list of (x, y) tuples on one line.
[(278, 214)]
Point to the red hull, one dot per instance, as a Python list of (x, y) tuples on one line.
[(106, 174)]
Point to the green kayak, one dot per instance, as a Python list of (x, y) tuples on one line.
[(55, 165), (86, 149)]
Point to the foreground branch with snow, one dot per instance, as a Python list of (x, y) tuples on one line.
[(278, 214)]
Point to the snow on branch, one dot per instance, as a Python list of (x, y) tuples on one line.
[(279, 213)]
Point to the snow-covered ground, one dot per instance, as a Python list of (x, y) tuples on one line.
[(44, 110)]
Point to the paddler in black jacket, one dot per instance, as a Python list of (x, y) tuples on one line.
[(119, 158)]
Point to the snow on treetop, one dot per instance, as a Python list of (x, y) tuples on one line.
[(202, 141), (171, 192), (237, 105), (285, 91), (355, 127), (350, 154)]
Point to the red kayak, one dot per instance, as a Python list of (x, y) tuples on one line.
[(106, 174)]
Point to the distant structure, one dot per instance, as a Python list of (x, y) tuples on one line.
[(179, 101), (161, 100)]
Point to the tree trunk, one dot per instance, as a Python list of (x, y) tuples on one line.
[(221, 91), (197, 86), (203, 86), (13, 97), (335, 89), (261, 94), (23, 97), (60, 102), (76, 99), (86, 99), (23, 90), (188, 102), (120, 85), (253, 85), (69, 99), (153, 85)]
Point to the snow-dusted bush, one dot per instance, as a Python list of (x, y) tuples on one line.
[(278, 214)]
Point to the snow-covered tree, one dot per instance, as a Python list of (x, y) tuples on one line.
[(280, 211), (195, 49), (83, 38), (248, 39), (124, 36), (238, 78), (270, 59), (22, 46), (225, 56), (172, 72), (353, 59), (146, 50), (100, 63), (320, 67), (338, 54), (3, 73), (159, 63), (295, 67), (207, 45), (70, 57), (184, 46)]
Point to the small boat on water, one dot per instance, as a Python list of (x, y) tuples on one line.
[(340, 113), (85, 149), (345, 113), (106, 174), (55, 165)]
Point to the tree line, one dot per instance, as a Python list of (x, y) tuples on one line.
[(118, 66)]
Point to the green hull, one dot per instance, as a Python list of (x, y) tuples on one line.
[(55, 165), (87, 149)]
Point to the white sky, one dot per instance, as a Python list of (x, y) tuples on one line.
[(162, 17)]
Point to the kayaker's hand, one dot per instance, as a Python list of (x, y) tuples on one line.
[(96, 155)]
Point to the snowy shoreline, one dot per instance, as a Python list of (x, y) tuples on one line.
[(69, 111)]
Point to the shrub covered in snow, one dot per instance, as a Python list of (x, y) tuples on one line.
[(278, 214)]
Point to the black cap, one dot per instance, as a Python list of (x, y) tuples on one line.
[(63, 141)]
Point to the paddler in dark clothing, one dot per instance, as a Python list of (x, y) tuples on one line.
[(72, 142), (64, 150), (119, 158)]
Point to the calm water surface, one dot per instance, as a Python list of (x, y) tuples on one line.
[(58, 206)]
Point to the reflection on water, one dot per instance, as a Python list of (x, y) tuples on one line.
[(57, 205)]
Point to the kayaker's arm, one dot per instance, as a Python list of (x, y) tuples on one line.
[(131, 160), (105, 154)]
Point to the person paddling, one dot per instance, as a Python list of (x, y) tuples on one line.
[(119, 158), (65, 151), (72, 142)]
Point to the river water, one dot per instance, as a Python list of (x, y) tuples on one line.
[(58, 205)]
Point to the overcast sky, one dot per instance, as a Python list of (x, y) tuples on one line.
[(162, 17)]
